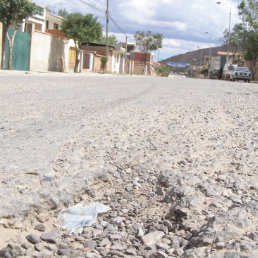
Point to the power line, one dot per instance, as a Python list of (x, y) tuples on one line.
[(98, 10), (102, 12), (117, 25), (97, 6)]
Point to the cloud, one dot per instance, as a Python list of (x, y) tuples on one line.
[(183, 23)]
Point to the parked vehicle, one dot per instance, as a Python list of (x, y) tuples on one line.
[(215, 70), (241, 73), (228, 71)]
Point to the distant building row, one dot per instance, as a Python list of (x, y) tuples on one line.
[(40, 46)]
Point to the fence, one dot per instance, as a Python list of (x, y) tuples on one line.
[(21, 50)]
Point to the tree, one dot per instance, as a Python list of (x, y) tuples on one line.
[(12, 12), (244, 35), (82, 29), (63, 12), (147, 42), (112, 40)]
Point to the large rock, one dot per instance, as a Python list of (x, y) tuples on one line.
[(32, 238), (152, 238)]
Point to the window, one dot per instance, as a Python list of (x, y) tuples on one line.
[(38, 27), (39, 11), (55, 26), (47, 25)]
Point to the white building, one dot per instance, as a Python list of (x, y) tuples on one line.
[(35, 23), (53, 21)]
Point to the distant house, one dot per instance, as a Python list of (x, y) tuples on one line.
[(139, 59), (53, 21), (43, 20), (36, 22), (116, 57)]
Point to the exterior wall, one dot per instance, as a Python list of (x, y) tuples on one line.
[(52, 19), (138, 68), (101, 51), (118, 62), (1, 42), (49, 53), (97, 64), (56, 33), (129, 66), (139, 57)]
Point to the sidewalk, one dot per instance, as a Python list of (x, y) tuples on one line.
[(15, 72)]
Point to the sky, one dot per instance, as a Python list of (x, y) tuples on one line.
[(186, 25)]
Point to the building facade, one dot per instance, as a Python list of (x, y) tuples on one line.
[(53, 21)]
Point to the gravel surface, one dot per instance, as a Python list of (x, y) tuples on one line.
[(175, 159)]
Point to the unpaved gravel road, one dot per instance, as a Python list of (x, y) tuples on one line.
[(162, 140)]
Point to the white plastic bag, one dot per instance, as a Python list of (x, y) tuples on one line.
[(78, 216)]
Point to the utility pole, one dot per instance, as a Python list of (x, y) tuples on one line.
[(210, 49), (229, 27), (229, 23), (126, 54), (201, 58), (107, 21)]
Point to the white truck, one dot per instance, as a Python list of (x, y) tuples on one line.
[(228, 71), (214, 67)]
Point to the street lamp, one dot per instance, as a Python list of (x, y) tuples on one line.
[(229, 27), (210, 47)]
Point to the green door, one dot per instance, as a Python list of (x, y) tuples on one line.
[(21, 50)]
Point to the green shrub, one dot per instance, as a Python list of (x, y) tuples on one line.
[(162, 71), (205, 71), (103, 61)]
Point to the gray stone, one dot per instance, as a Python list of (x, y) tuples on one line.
[(64, 252), (38, 247), (220, 245), (119, 246), (11, 251), (160, 191), (232, 254), (34, 239), (118, 221), (51, 237), (105, 243), (110, 227), (152, 238), (40, 227), (96, 233), (115, 237), (131, 251), (163, 246), (115, 252), (161, 254), (90, 244), (169, 225), (26, 246), (92, 255)]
